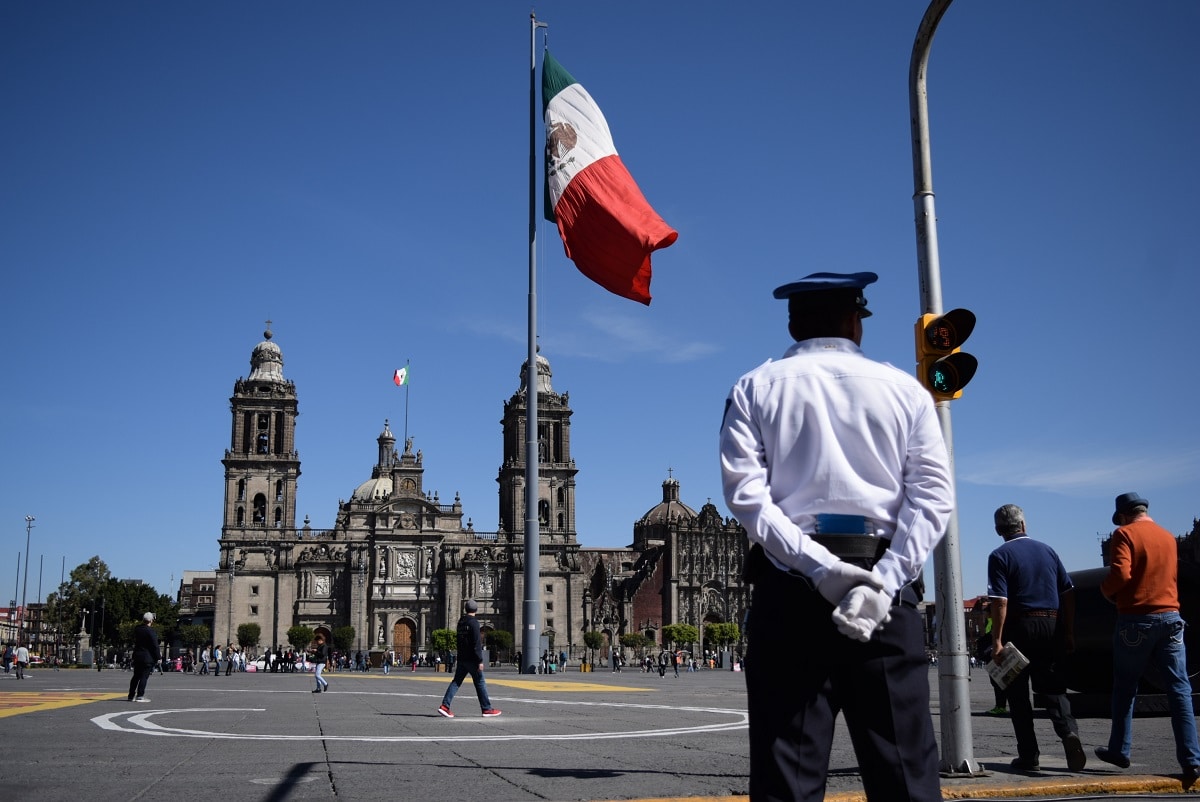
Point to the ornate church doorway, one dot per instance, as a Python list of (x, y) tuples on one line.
[(404, 639)]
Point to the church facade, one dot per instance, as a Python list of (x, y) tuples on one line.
[(398, 562)]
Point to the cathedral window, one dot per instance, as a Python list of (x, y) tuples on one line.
[(254, 609), (279, 490), (241, 516), (260, 509), (263, 440), (241, 492), (278, 517)]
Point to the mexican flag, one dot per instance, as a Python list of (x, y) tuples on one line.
[(607, 227), (401, 376)]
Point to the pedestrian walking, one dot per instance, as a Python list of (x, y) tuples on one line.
[(1143, 582), (321, 656), (836, 466), (470, 661), (1032, 606), (21, 658), (145, 657)]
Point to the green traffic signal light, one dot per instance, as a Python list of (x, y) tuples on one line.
[(941, 367)]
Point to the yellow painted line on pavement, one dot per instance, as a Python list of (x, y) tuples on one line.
[(546, 686), (13, 703), (1012, 788)]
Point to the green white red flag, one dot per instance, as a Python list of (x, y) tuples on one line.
[(401, 376), (608, 228)]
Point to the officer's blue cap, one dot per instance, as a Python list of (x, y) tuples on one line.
[(820, 282)]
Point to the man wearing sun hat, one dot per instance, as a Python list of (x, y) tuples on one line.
[(836, 466), (1143, 581)]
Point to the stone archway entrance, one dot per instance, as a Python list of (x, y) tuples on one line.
[(404, 639)]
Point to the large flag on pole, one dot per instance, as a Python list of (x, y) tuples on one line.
[(608, 228), (401, 376)]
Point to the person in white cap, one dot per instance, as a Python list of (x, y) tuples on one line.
[(145, 657)]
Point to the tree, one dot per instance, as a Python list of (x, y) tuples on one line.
[(443, 641), (679, 634), (593, 639), (248, 635), (343, 639), (299, 637), (125, 632), (105, 607), (194, 636), (499, 640), (719, 636), (635, 641)]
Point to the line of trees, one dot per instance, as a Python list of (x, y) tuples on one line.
[(677, 636), (107, 608)]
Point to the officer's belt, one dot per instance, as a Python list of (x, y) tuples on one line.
[(853, 547)]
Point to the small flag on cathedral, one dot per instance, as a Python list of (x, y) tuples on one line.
[(401, 376)]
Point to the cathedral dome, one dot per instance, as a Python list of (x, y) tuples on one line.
[(543, 374), (373, 489), (266, 361), (670, 508)]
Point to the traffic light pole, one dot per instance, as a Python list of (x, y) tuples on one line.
[(954, 670)]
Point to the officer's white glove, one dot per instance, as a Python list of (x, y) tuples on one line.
[(864, 610), (841, 577)]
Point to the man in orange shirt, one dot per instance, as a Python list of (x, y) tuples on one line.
[(1143, 581)]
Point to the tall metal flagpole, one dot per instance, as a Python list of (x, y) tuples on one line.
[(407, 384), (958, 757), (532, 609)]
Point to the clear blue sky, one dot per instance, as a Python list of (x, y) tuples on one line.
[(174, 174)]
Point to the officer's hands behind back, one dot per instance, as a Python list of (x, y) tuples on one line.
[(864, 610), (841, 577)]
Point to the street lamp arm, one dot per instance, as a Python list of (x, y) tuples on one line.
[(918, 98)]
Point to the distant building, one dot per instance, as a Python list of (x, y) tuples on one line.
[(197, 597), (398, 562)]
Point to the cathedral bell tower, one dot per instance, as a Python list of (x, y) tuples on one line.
[(261, 463), (556, 468)]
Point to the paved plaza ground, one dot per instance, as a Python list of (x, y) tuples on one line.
[(71, 734)]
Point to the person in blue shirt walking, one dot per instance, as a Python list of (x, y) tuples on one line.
[(1033, 609)]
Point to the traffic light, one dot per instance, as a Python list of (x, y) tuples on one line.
[(941, 367)]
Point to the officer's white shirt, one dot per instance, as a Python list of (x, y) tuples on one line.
[(827, 430)]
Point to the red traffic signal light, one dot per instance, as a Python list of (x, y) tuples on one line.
[(941, 366)]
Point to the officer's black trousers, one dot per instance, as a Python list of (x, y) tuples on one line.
[(800, 672)]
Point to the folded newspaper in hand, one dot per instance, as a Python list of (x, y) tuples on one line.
[(1012, 663)]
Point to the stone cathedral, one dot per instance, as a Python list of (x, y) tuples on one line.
[(399, 561)]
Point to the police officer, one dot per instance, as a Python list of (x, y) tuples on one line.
[(836, 466)]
